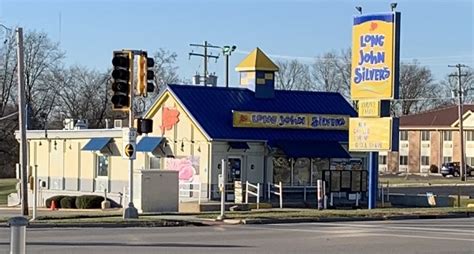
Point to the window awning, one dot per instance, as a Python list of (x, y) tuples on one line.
[(148, 144), (311, 149), (96, 144), (239, 145)]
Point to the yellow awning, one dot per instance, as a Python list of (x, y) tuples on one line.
[(257, 61)]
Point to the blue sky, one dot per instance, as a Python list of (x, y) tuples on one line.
[(436, 32)]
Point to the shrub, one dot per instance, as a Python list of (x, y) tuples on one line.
[(57, 201), (89, 201), (434, 169), (68, 202)]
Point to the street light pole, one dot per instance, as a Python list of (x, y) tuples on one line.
[(22, 122), (227, 51)]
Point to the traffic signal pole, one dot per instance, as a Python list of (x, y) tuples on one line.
[(130, 212)]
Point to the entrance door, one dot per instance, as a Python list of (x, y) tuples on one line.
[(234, 172)]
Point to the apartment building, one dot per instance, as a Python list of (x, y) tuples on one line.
[(429, 139)]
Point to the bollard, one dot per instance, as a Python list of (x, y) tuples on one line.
[(320, 194), (18, 234)]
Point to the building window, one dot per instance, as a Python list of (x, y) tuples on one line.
[(425, 135), (155, 162), (448, 136), (404, 135), (102, 165), (470, 135), (403, 160), (447, 159), (425, 160), (383, 159), (470, 161)]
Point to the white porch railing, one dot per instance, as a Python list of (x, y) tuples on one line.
[(253, 190), (272, 190), (187, 192)]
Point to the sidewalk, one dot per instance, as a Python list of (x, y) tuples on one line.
[(97, 218)]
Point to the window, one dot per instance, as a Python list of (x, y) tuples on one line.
[(470, 135), (155, 162), (403, 135), (102, 165), (447, 159), (425, 160), (448, 136), (425, 135), (404, 160), (383, 159), (470, 161)]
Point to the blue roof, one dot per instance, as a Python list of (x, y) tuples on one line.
[(96, 144), (212, 108), (148, 144)]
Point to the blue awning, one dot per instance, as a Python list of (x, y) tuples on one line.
[(148, 144), (96, 144), (239, 145), (311, 149)]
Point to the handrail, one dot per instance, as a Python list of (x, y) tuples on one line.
[(256, 194), (279, 193), (182, 188)]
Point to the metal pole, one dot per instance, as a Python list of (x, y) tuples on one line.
[(18, 234), (373, 180), (281, 195), (227, 70), (205, 63), (35, 192), (130, 212), (223, 173), (22, 122)]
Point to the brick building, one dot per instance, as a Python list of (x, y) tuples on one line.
[(430, 138)]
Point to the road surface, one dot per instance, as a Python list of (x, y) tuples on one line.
[(395, 237)]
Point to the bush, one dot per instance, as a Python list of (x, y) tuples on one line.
[(68, 202), (89, 202), (434, 169), (57, 201)]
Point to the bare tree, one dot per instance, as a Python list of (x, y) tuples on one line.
[(417, 89), (42, 56), (293, 75), (166, 72), (81, 94), (450, 84)]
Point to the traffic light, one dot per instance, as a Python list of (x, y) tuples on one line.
[(144, 125), (123, 66), (145, 75)]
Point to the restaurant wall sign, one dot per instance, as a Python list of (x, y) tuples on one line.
[(246, 119)]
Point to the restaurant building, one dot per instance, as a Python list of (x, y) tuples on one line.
[(265, 135)]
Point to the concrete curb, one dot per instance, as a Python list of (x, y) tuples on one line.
[(429, 185), (125, 224), (347, 219)]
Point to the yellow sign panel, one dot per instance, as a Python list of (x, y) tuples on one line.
[(370, 134), (289, 121), (369, 108), (374, 56)]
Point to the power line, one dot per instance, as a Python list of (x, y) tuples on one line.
[(7, 116), (205, 56)]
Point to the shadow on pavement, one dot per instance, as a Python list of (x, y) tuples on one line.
[(104, 244)]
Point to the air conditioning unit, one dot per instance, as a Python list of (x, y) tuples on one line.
[(118, 123)]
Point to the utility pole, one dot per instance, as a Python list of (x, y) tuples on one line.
[(22, 122), (205, 56), (460, 93)]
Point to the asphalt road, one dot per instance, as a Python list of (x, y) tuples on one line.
[(391, 237)]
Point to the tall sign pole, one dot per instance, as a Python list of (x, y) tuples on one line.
[(22, 122), (374, 82)]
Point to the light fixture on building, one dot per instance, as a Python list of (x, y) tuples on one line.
[(55, 144), (359, 9), (182, 146), (393, 6), (40, 144), (199, 148)]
